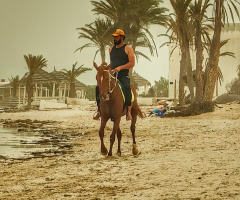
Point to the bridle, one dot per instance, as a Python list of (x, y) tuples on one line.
[(110, 91), (110, 77)]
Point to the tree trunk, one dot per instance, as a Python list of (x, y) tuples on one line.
[(29, 91), (199, 62), (72, 92), (189, 74), (14, 90), (212, 67), (103, 54), (186, 64), (181, 82)]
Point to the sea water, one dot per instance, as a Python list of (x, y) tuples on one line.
[(14, 144)]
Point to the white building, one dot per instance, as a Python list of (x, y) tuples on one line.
[(227, 64)]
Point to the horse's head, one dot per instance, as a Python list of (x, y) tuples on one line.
[(104, 79)]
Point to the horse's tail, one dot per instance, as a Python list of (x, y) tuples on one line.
[(139, 113)]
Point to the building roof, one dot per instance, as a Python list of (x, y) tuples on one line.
[(42, 76), (79, 84), (57, 76), (140, 80), (5, 84)]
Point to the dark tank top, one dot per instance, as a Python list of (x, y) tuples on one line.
[(119, 57)]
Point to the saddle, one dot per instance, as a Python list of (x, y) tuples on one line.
[(123, 90)]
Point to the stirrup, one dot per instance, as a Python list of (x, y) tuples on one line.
[(96, 116), (129, 113)]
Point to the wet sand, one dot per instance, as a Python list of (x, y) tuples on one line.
[(187, 158)]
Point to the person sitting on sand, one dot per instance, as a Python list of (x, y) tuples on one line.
[(161, 111)]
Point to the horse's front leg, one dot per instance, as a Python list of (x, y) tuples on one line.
[(133, 127), (119, 136), (104, 150), (112, 136)]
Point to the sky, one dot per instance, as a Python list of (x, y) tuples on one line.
[(48, 28)]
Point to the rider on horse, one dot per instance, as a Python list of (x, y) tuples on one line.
[(122, 59)]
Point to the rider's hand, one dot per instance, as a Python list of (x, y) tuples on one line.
[(117, 69)]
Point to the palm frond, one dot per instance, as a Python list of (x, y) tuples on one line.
[(138, 53), (72, 74)]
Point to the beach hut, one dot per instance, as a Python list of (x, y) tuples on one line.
[(51, 85), (142, 83)]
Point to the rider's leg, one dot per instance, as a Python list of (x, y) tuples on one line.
[(97, 114), (125, 80)]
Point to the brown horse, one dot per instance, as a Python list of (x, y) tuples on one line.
[(112, 107)]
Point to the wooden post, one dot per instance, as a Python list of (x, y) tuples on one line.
[(41, 90), (175, 90), (53, 94), (36, 90), (19, 94), (64, 93), (24, 94), (60, 91), (145, 89)]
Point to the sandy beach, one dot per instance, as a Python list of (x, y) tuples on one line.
[(182, 158)]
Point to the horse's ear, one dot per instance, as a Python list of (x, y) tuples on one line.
[(109, 66), (95, 65)]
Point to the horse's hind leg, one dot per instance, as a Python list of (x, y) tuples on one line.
[(133, 127), (104, 150), (112, 136), (119, 136)]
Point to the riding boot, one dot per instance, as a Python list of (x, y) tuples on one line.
[(97, 114), (129, 116)]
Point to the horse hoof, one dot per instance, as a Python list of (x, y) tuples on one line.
[(119, 154), (109, 157), (134, 149), (104, 152)]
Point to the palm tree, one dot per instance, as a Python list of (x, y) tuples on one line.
[(198, 16), (201, 40), (134, 17), (14, 83), (220, 17), (118, 11), (98, 33), (181, 28), (71, 75), (34, 63), (148, 13), (220, 77)]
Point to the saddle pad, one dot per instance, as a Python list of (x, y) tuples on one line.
[(120, 86)]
